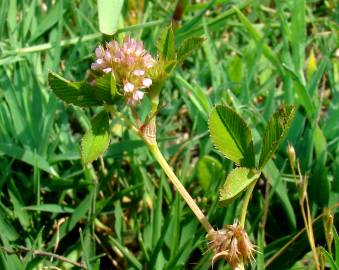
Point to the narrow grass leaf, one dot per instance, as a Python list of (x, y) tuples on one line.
[(197, 96), (15, 106), (214, 24), (12, 22), (336, 244), (129, 256), (260, 255), (50, 208), (109, 14), (298, 36), (79, 213), (319, 187), (157, 217), (236, 182), (304, 97), (173, 233), (180, 256), (18, 205), (272, 173), (6, 229), (47, 21), (27, 156), (186, 29), (298, 246), (213, 61), (231, 136), (118, 223), (84, 239), (46, 126), (329, 259), (209, 169), (10, 261), (267, 51), (236, 72)]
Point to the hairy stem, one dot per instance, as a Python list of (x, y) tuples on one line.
[(148, 133), (154, 149)]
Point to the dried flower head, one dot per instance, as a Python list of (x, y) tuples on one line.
[(129, 63), (232, 244)]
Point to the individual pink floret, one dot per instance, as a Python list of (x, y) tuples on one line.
[(128, 87), (138, 72), (138, 95), (107, 70), (147, 82)]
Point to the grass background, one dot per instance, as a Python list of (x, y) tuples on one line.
[(121, 213)]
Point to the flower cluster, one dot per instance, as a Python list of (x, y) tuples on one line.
[(232, 244), (129, 63)]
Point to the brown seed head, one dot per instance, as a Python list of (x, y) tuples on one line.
[(231, 244)]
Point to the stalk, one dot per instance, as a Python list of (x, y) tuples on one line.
[(148, 133), (154, 149), (245, 203), (243, 213)]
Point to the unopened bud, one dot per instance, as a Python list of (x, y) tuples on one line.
[(291, 155), (312, 65)]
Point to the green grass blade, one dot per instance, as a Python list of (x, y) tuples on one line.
[(27, 156), (298, 37), (329, 259), (109, 14), (259, 41), (129, 256)]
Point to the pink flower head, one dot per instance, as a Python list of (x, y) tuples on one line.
[(129, 64)]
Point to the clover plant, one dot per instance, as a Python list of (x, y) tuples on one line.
[(122, 76)]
